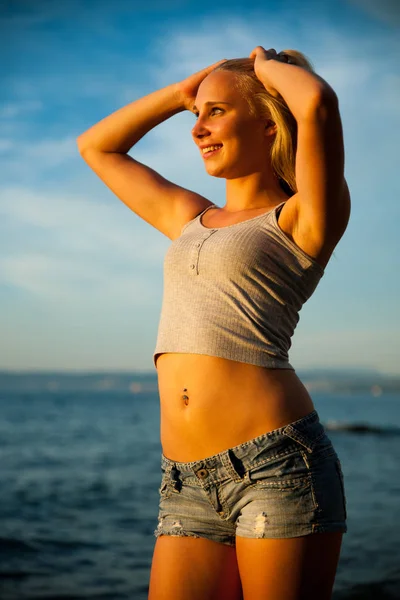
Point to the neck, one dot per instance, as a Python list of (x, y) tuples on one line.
[(253, 191)]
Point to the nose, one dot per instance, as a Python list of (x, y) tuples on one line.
[(199, 130)]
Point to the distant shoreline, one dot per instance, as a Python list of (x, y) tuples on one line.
[(327, 381)]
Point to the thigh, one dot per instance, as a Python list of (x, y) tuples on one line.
[(195, 568), (300, 568)]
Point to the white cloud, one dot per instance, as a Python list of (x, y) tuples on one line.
[(25, 160), (15, 109), (49, 153), (72, 244), (64, 281), (7, 145), (104, 223)]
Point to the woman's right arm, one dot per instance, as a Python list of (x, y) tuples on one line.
[(125, 127), (161, 203)]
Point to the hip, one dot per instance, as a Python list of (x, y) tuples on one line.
[(285, 483)]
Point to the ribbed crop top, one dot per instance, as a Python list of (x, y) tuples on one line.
[(235, 292)]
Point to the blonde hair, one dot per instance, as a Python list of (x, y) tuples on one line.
[(264, 105)]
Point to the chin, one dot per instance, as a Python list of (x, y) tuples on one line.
[(233, 169), (216, 172), (222, 171)]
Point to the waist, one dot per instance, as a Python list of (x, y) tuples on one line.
[(209, 404)]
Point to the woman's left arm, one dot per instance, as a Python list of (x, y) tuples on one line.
[(300, 88), (323, 199)]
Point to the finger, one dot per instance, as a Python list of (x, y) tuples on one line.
[(283, 57), (260, 51), (256, 51)]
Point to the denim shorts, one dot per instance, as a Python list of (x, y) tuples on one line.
[(284, 483)]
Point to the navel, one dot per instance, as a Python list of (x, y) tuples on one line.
[(185, 398)]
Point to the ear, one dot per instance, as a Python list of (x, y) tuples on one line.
[(270, 127)]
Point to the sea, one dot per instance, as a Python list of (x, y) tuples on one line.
[(80, 472)]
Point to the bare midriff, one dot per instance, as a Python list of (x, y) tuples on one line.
[(209, 404)]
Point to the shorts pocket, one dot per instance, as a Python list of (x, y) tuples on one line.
[(287, 470)]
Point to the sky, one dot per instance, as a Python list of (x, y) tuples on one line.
[(81, 276)]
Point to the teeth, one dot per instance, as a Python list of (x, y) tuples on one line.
[(209, 148)]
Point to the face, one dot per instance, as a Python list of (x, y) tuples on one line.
[(224, 120)]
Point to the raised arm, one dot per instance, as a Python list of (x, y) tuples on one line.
[(161, 203), (323, 199)]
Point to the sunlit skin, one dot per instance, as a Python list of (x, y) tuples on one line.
[(243, 159)]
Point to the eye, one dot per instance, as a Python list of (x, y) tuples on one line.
[(212, 111)]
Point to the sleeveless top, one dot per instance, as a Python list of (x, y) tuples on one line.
[(235, 292)]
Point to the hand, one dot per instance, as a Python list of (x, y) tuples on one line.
[(261, 57), (187, 89)]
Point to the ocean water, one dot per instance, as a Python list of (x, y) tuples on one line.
[(80, 472)]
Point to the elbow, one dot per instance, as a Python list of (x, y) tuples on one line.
[(323, 103), (326, 97), (80, 144), (85, 141)]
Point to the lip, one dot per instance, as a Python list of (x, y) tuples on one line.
[(209, 154)]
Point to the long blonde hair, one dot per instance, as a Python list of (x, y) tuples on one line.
[(264, 105)]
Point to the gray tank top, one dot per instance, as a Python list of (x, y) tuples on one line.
[(235, 292)]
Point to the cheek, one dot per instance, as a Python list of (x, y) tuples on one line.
[(254, 138), (239, 136), (245, 131)]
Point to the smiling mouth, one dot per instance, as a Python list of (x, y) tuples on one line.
[(211, 150)]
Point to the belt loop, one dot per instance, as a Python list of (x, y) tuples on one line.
[(169, 465), (301, 438)]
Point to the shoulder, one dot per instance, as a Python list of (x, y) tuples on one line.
[(190, 206)]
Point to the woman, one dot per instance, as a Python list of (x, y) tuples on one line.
[(251, 500)]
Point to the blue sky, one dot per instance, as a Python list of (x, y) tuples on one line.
[(81, 274)]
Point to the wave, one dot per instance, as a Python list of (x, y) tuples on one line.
[(361, 428)]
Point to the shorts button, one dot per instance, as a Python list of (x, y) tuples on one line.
[(197, 245), (192, 266), (202, 473)]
